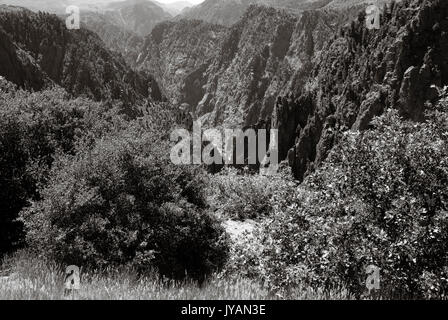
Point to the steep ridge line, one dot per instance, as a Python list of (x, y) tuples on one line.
[(361, 73)]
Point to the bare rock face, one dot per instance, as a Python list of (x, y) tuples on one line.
[(178, 54), (268, 53), (243, 77), (413, 91), (371, 107), (362, 72), (233, 76)]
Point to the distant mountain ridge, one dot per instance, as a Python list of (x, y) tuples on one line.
[(116, 37), (138, 16), (228, 12), (174, 8), (122, 25)]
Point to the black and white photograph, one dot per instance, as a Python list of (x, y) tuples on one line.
[(239, 151)]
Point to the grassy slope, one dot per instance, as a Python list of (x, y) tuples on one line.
[(31, 278)]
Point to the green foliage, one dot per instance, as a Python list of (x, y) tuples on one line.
[(33, 129), (102, 188), (380, 199), (123, 202), (240, 195)]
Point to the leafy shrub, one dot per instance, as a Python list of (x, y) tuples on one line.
[(34, 127), (123, 202), (241, 195), (381, 199)]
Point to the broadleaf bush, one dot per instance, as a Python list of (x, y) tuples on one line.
[(380, 199), (34, 128), (242, 195), (122, 202)]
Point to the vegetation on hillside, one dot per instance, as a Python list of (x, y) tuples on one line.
[(97, 189), (86, 178), (380, 199)]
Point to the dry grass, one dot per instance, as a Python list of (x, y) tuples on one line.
[(32, 278)]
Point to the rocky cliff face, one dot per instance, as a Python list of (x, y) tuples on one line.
[(268, 53), (36, 49), (178, 54), (316, 74), (360, 73), (138, 16), (117, 38), (232, 76)]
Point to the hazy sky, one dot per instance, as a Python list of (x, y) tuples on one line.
[(191, 1), (88, 1), (56, 5)]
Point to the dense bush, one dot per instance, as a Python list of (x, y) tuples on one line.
[(381, 199), (123, 202), (33, 128), (98, 195), (241, 195)]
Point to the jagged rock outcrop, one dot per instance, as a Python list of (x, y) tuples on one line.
[(362, 72), (178, 53), (37, 49), (268, 53), (232, 76)]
